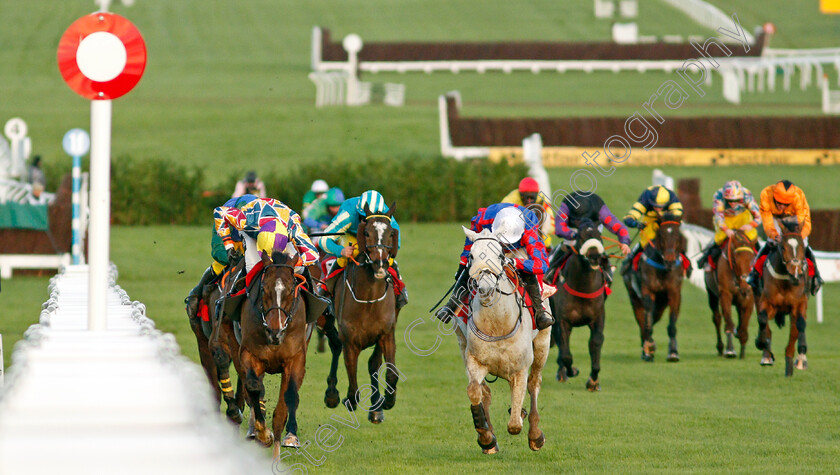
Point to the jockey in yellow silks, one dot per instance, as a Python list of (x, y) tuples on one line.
[(528, 194), (734, 209), (646, 214)]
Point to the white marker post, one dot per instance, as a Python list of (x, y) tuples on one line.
[(16, 130), (352, 44), (101, 56), (2, 374), (76, 143)]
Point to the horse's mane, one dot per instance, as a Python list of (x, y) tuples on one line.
[(671, 217), (791, 224)]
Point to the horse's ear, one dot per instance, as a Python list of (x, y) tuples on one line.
[(264, 257), (360, 234), (367, 210), (391, 209), (471, 235), (395, 241)]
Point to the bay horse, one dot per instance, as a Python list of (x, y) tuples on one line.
[(784, 293), (499, 339), (275, 337), (726, 285), (365, 315), (657, 284), (579, 301)]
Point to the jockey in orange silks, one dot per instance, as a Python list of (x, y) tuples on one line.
[(778, 201), (518, 230)]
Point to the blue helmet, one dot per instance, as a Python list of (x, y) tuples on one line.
[(374, 201)]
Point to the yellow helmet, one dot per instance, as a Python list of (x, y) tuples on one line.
[(662, 197)]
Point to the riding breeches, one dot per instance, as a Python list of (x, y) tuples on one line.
[(649, 231)]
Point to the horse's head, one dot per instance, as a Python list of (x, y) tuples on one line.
[(279, 289), (669, 241), (740, 252), (793, 247), (486, 262), (589, 243), (379, 239)]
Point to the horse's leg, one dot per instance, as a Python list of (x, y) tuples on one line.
[(486, 399), (219, 345), (518, 383), (763, 340), (744, 309), (596, 341), (726, 308), (714, 302), (285, 414), (476, 374), (541, 345), (375, 413), (564, 354), (389, 351), (351, 361), (254, 372), (802, 349), (205, 355), (792, 339), (646, 324), (233, 351), (674, 301), (331, 397)]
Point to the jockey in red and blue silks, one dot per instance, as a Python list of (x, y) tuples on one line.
[(264, 223), (577, 206), (339, 238), (523, 244)]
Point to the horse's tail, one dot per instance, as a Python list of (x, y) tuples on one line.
[(780, 319)]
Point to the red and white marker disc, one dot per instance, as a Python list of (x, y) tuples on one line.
[(102, 56)]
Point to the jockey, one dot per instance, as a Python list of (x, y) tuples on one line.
[(318, 189), (519, 229), (528, 195), (645, 215), (735, 209), (267, 225), (323, 210), (219, 254), (343, 246), (778, 201), (577, 206)]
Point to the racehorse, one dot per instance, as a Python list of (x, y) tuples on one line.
[(499, 339), (275, 336), (726, 285), (366, 315), (657, 284), (580, 302), (785, 292)]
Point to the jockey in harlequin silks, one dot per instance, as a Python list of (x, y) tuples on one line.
[(577, 206), (518, 229), (266, 226), (778, 201), (219, 254), (342, 243), (734, 209), (646, 213), (528, 195)]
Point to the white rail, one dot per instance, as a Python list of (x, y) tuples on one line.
[(122, 400)]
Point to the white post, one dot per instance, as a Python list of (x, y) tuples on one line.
[(76, 247), (352, 44), (2, 375), (100, 212), (820, 305)]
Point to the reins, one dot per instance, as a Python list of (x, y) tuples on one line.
[(257, 303)]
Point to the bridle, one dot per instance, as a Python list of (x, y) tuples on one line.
[(366, 260), (731, 253), (257, 302), (652, 244), (507, 271), (799, 264)]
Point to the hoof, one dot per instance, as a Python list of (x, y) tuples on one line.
[(349, 403), (574, 372), (514, 430), (801, 362), (647, 357), (561, 375), (376, 417), (390, 401), (537, 444), (494, 449), (234, 415), (767, 361), (673, 357), (730, 354), (331, 398), (291, 440), (593, 386), (267, 441)]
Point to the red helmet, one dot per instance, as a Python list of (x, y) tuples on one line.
[(529, 185)]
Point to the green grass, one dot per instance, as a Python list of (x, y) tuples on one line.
[(226, 88)]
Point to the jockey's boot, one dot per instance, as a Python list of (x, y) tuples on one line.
[(817, 281), (449, 310), (704, 256), (625, 265), (754, 278), (402, 297), (195, 294), (532, 286)]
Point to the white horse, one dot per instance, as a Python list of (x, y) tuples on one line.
[(499, 339)]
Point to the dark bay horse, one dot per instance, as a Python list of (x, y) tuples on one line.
[(365, 316), (275, 336), (579, 301), (785, 293), (726, 285), (657, 285)]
